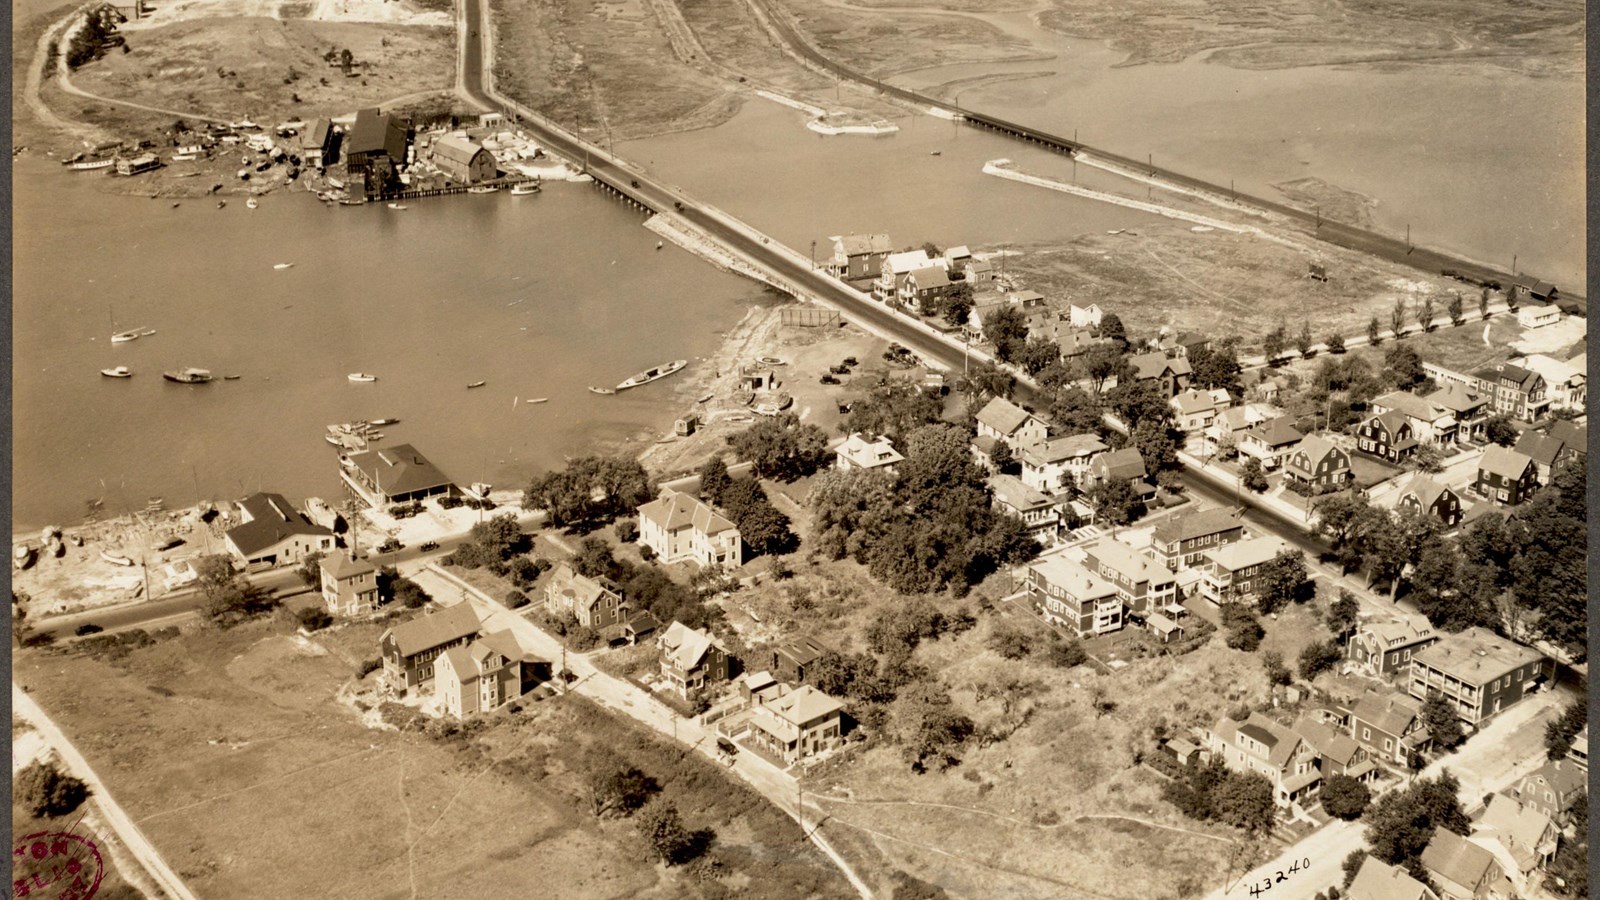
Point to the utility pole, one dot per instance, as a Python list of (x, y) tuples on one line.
[(813, 256)]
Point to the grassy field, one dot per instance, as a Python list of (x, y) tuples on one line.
[(113, 886), (233, 753), (861, 38)]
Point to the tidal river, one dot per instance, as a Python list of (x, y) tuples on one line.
[(538, 296)]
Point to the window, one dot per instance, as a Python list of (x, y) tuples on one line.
[(1366, 734), (1386, 744)]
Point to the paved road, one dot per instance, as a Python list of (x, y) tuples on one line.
[(23, 707)]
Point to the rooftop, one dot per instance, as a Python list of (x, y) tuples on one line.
[(400, 469), (675, 511), (1377, 880), (1454, 858), (1196, 524), (1278, 432), (1504, 462), (1003, 416), (1010, 490), (433, 628), (1246, 553), (270, 519), (1064, 448), (868, 454), (1130, 563), (1073, 578), (1476, 656), (863, 244)]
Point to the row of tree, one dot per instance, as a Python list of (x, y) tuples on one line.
[(763, 527)]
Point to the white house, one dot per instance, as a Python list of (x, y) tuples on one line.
[(856, 452), (895, 267), (1430, 422), (1085, 316), (1060, 464), (1195, 409), (1270, 442), (679, 527), (1004, 421), (1538, 315)]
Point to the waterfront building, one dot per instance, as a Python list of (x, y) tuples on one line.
[(463, 160), (398, 474), (859, 256), (375, 136), (274, 533)]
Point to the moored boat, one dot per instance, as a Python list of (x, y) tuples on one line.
[(482, 189), (397, 206), (384, 422), (251, 203), (476, 384), (117, 372), (281, 266), (190, 375), (525, 188), (115, 559), (539, 400), (91, 164), (600, 390), (649, 375), (361, 377), (122, 337)]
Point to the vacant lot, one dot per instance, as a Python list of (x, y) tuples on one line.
[(894, 40), (233, 753)]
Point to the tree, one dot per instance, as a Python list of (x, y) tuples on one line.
[(1303, 340), (47, 792), (1103, 362), (595, 560), (1440, 718), (1425, 314), (313, 618), (618, 790), (1007, 329), (1038, 354), (1111, 329), (228, 598), (1283, 580), (1334, 342), (1277, 672), (1352, 865), (930, 732), (1569, 870), (590, 492), (21, 629), (1011, 640), (664, 833), (1217, 367), (1244, 800), (1403, 366), (1139, 401), (1483, 302), (893, 407), (1511, 297), (408, 593), (1374, 332), (1157, 443), (310, 570), (1428, 459), (1345, 797), (1318, 657), (1244, 630), (1455, 311), (781, 447), (1497, 429), (1114, 501), (1076, 411), (714, 480), (1397, 318), (762, 527), (958, 304), (1252, 476), (1339, 518), (1401, 823), (1343, 614), (1560, 731), (1003, 459), (1273, 343)]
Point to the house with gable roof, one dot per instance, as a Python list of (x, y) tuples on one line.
[(1040, 514), (1505, 476), (1004, 421), (1258, 744), (375, 136), (1430, 423), (1464, 404), (683, 528), (1553, 788), (410, 649), (1171, 374), (483, 675), (1390, 727), (1182, 541), (1544, 449), (1387, 435), (1424, 495), (859, 256), (1514, 391), (1318, 461), (1463, 870), (1384, 646), (1144, 585), (273, 533), (1061, 464), (398, 474), (1194, 410), (692, 661), (920, 286), (594, 604), (1377, 880), (1337, 753), (1065, 593), (1522, 837), (1270, 442), (349, 585), (462, 159), (1126, 464), (893, 270)]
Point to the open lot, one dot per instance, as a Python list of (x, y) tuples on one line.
[(234, 754)]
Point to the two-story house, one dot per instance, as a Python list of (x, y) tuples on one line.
[(791, 658), (1463, 870), (1505, 476), (1230, 574), (795, 724), (1062, 464), (1170, 374), (1126, 464), (1261, 745), (1464, 404), (1522, 838), (1546, 451), (482, 675), (594, 604), (1478, 671), (1005, 422), (1144, 585), (679, 527), (1387, 436), (921, 286), (1390, 726), (1377, 880), (273, 533), (1337, 753), (857, 257), (410, 649), (1430, 423), (1194, 410), (1384, 646), (693, 661), (1423, 495), (857, 452), (1182, 541), (1514, 391), (893, 270), (1064, 593), (1270, 442), (349, 585), (1040, 514), (1553, 788), (1318, 461)]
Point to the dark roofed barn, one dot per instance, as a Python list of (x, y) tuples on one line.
[(397, 474), (374, 135)]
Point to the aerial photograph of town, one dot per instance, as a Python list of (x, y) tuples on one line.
[(903, 449)]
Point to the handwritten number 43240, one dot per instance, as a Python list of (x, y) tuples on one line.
[(1281, 875)]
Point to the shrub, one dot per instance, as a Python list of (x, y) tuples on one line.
[(368, 666), (1011, 641), (45, 791), (1345, 797), (647, 553), (314, 618), (516, 599), (627, 531)]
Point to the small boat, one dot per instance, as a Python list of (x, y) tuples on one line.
[(482, 189), (190, 375), (91, 164), (770, 361), (118, 372), (600, 390), (336, 184), (183, 157), (384, 422), (706, 398), (660, 244), (230, 378), (539, 400), (21, 556), (115, 559), (221, 204), (937, 153), (361, 377), (476, 384), (251, 203), (122, 337), (479, 489), (397, 206), (649, 375), (284, 266), (525, 188), (176, 205), (348, 202)]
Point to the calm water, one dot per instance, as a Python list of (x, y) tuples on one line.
[(539, 296)]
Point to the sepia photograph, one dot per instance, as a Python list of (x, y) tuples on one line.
[(898, 449)]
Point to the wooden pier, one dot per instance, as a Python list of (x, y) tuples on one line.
[(417, 194)]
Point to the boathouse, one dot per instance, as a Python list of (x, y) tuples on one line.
[(273, 533), (319, 144), (397, 474), (462, 159), (375, 135)]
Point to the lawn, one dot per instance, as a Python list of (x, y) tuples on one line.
[(233, 752)]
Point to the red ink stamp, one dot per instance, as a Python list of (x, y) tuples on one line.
[(55, 865)]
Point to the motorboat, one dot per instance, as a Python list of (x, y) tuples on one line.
[(384, 422), (115, 559), (230, 378), (482, 189), (539, 400), (117, 372), (397, 206), (476, 384), (600, 390), (122, 337), (251, 203), (649, 375), (281, 266), (361, 377), (90, 164), (336, 184), (190, 375), (525, 188)]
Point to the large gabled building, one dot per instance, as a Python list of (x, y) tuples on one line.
[(273, 533), (410, 649), (1182, 541), (398, 474), (1514, 391), (1065, 593), (376, 136), (678, 527)]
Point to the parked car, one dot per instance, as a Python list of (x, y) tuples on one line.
[(390, 546), (828, 379), (87, 628), (425, 546), (851, 361)]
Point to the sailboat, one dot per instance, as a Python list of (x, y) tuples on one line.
[(122, 337)]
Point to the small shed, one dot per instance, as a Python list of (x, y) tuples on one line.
[(1182, 751), (1165, 629), (685, 425)]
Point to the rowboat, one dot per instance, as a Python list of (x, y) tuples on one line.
[(90, 164), (251, 203), (114, 559), (539, 400), (384, 422), (600, 390), (336, 184), (649, 375), (21, 556), (476, 384), (190, 375), (122, 337), (118, 372), (397, 206), (283, 266), (361, 377)]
